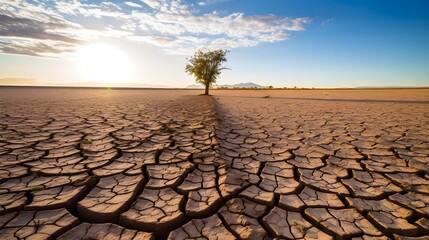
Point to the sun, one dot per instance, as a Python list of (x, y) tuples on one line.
[(104, 63)]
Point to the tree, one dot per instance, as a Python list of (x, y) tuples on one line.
[(206, 66)]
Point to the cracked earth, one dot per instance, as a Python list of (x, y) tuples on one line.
[(164, 164)]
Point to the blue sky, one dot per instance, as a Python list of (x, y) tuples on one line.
[(305, 43)]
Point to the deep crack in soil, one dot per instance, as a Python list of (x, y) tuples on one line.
[(94, 164)]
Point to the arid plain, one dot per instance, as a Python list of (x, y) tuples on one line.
[(249, 164)]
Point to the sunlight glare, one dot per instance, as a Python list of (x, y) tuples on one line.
[(104, 63)]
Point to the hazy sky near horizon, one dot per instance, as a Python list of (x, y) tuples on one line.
[(304, 43)]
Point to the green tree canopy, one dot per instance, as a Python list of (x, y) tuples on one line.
[(206, 67)]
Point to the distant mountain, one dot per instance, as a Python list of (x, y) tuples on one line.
[(242, 85), (239, 85)]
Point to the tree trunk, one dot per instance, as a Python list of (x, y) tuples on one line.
[(207, 90)]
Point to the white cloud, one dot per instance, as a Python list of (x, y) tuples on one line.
[(154, 40), (34, 47), (36, 30), (77, 8), (324, 22), (229, 31), (152, 3), (210, 2), (132, 4), (172, 25)]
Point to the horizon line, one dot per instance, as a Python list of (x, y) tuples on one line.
[(235, 88)]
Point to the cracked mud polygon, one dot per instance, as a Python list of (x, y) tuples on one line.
[(165, 164)]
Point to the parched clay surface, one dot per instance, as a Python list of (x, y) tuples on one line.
[(171, 164)]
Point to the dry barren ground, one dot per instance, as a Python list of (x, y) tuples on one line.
[(141, 164)]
